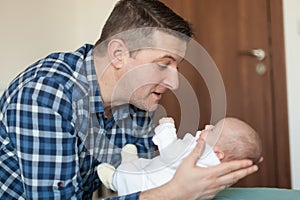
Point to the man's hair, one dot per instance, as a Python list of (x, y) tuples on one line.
[(136, 14)]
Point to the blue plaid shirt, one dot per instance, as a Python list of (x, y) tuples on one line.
[(54, 133)]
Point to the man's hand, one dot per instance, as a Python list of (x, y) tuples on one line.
[(192, 182)]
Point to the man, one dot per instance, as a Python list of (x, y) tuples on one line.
[(69, 112)]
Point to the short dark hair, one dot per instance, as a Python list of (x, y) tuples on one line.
[(133, 14)]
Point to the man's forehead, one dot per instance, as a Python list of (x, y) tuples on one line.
[(169, 43)]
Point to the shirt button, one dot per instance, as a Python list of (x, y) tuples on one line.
[(60, 184)]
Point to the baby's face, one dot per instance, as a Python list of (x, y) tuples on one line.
[(211, 134)]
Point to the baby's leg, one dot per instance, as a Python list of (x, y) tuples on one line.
[(105, 172)]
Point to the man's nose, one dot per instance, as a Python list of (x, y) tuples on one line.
[(171, 80)]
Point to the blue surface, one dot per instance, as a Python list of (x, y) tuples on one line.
[(258, 193)]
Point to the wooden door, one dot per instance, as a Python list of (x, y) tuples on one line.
[(229, 30)]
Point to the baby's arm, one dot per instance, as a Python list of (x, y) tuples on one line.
[(165, 133)]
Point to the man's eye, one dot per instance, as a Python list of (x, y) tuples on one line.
[(162, 66)]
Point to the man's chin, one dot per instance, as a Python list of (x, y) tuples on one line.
[(153, 108), (149, 108)]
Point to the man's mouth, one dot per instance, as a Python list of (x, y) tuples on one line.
[(157, 95)]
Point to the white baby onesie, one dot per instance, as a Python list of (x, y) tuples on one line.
[(144, 174)]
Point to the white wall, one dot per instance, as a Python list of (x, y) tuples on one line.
[(91, 15), (292, 44), (31, 29)]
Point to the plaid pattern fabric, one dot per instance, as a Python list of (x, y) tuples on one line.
[(53, 131), (127, 197)]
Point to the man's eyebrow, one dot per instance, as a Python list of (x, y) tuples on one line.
[(166, 56)]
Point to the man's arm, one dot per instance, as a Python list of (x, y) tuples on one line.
[(192, 182), (39, 122)]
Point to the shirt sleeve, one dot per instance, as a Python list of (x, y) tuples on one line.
[(40, 124)]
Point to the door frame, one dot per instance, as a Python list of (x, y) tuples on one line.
[(279, 91)]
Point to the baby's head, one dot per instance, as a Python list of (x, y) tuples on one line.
[(233, 139)]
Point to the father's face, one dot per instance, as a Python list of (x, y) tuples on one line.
[(154, 70)]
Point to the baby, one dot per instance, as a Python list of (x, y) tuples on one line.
[(229, 139)]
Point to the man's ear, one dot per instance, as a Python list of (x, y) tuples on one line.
[(116, 50), (220, 155)]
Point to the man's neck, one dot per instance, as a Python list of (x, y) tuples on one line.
[(106, 81)]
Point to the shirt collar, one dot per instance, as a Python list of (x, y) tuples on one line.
[(123, 111), (96, 103)]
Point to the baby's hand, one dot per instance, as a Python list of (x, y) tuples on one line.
[(208, 127), (166, 120)]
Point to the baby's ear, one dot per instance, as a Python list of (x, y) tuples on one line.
[(220, 155)]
